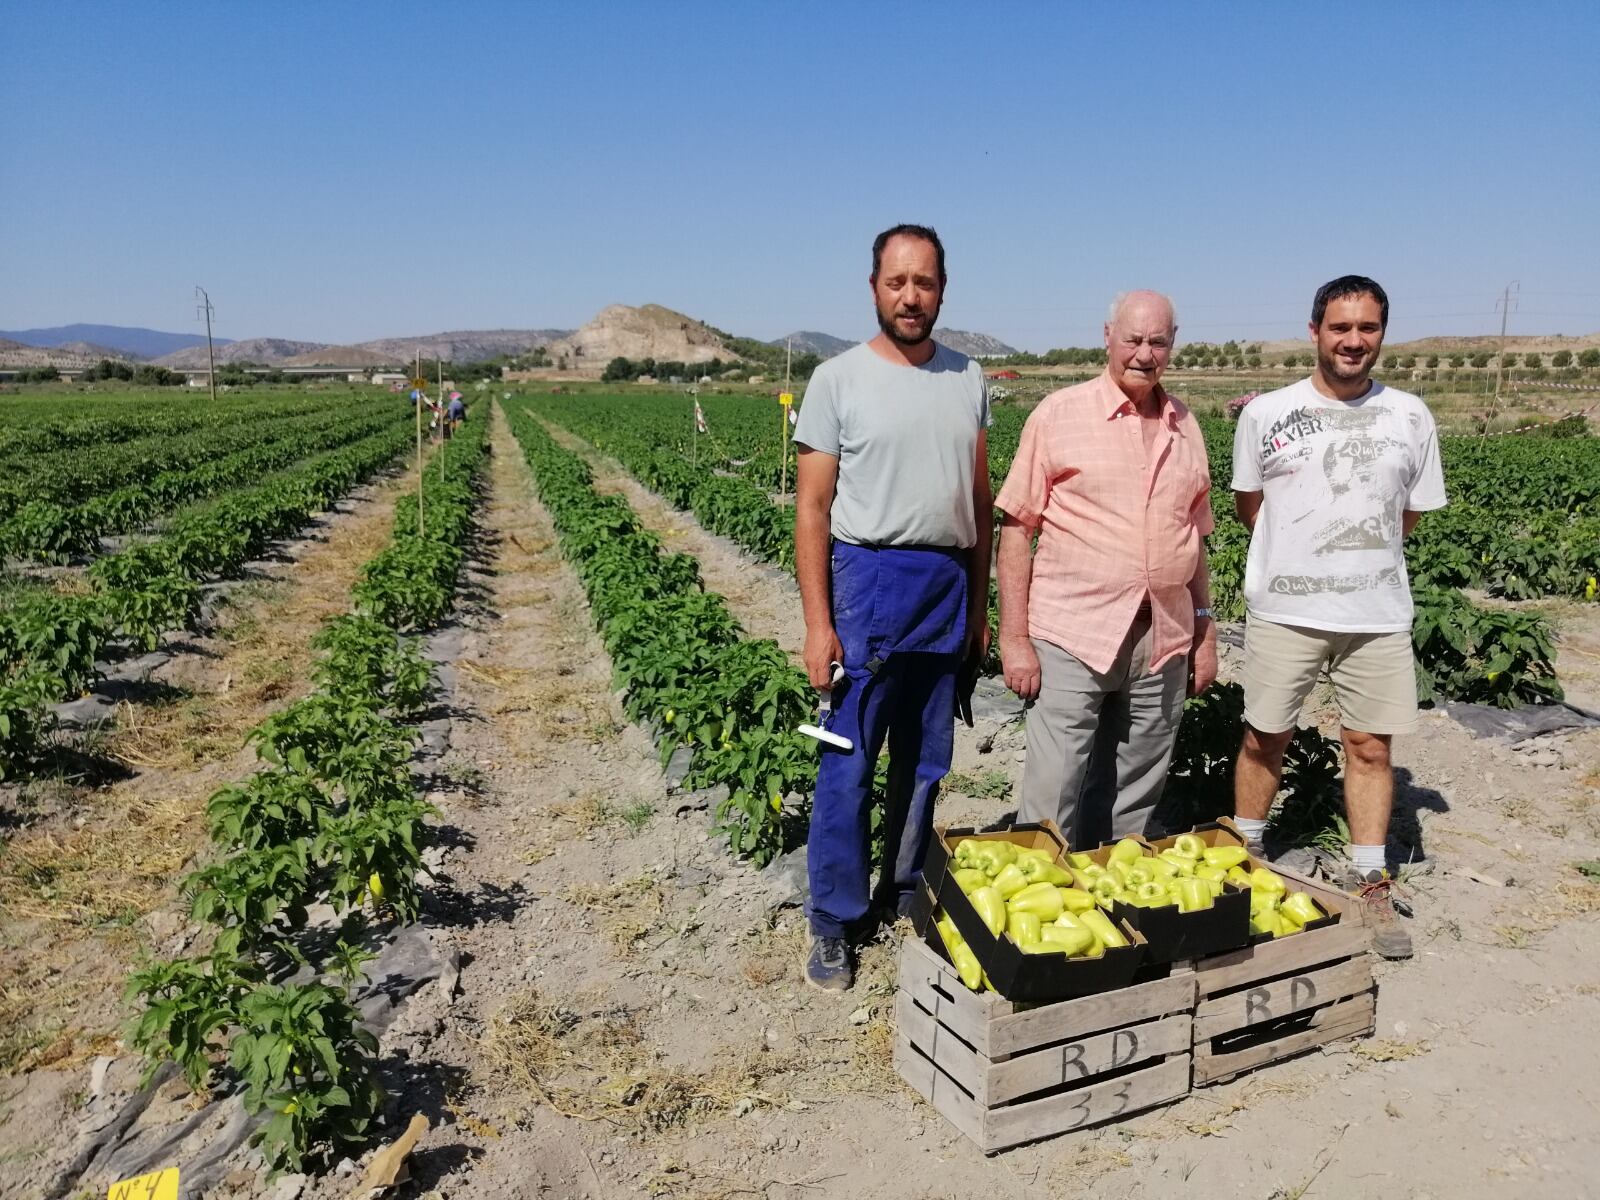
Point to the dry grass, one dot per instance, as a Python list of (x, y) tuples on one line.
[(1387, 1050), (1081, 1168), (597, 1065), (631, 908)]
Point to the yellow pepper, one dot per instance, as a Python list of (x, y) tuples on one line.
[(1023, 927), (1226, 856), (970, 879), (1043, 900), (961, 955), (1104, 931), (1263, 880), (1127, 851), (1190, 845), (991, 906), (1073, 941), (1302, 908), (1193, 895), (1075, 899), (1080, 921), (1010, 880)]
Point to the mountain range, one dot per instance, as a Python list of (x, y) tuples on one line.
[(618, 330), (129, 341)]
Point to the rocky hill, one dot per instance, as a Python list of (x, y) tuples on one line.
[(651, 331), (808, 341), (977, 345), (272, 351), (465, 346)]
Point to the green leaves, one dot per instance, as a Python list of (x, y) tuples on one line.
[(1487, 656), (676, 648)]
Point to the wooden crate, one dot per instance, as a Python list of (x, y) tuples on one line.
[(1265, 1003), (1006, 1073)]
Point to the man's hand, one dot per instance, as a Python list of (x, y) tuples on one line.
[(821, 652), (1021, 663), (976, 644), (1203, 656)]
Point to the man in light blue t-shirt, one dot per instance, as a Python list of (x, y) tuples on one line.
[(893, 522)]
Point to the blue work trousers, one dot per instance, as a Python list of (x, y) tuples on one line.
[(900, 614)]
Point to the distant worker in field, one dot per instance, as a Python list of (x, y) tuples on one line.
[(1330, 474), (456, 412), (1107, 627), (892, 538)]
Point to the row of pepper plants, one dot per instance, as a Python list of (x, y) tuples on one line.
[(144, 446), (679, 655), (49, 529), (50, 424), (333, 816), (50, 644)]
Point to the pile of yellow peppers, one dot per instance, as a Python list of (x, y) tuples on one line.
[(1274, 909), (1188, 873), (1023, 894)]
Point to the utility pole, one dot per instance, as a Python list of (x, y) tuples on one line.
[(1508, 300), (784, 410), (211, 355), (418, 383)]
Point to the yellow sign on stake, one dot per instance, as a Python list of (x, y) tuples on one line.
[(419, 383), (786, 398), (158, 1185)]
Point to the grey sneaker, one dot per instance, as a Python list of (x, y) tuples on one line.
[(829, 966), (1377, 893), (1293, 858)]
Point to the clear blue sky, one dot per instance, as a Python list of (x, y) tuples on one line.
[(336, 172)]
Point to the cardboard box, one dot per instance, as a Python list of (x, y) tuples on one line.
[(1223, 832), (1015, 975), (1175, 935)]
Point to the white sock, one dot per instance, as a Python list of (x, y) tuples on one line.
[(1367, 858), (1251, 828)]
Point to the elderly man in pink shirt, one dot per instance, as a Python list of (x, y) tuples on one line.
[(1108, 625)]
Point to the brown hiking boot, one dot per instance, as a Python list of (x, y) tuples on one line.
[(1377, 891)]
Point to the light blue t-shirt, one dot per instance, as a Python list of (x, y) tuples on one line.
[(906, 439)]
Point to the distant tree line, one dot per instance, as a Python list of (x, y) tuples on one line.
[(624, 370), (1070, 356)]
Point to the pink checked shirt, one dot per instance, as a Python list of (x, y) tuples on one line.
[(1115, 525)]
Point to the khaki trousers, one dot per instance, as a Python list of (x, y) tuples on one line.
[(1100, 743)]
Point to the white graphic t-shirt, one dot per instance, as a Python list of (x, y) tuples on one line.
[(1335, 477)]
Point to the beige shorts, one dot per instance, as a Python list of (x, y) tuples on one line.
[(1373, 676)]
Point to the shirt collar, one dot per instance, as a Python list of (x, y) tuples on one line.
[(1116, 400)]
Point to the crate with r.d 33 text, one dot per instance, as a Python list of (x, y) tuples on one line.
[(1281, 997), (1005, 1073)]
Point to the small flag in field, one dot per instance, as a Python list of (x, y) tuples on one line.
[(699, 419), (794, 417), (455, 395)]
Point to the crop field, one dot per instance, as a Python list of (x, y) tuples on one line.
[(343, 792)]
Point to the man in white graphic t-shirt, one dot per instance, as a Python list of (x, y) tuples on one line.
[(1330, 474)]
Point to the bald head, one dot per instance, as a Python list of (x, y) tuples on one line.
[(1140, 330), (1154, 302)]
